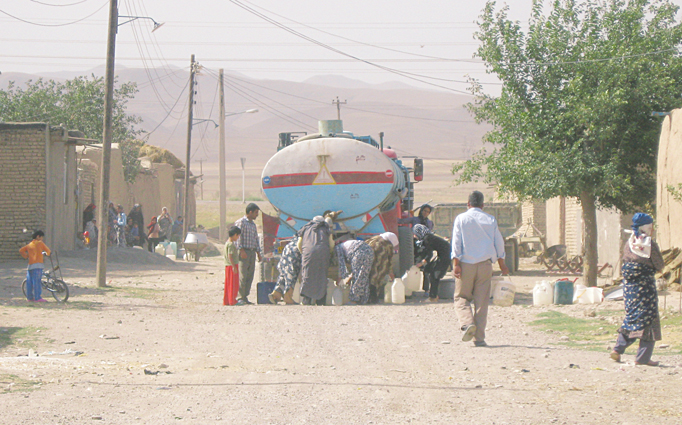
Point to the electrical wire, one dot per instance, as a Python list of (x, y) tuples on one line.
[(55, 25), (146, 137), (325, 46), (58, 5)]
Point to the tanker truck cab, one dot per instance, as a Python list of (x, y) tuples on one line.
[(336, 170)]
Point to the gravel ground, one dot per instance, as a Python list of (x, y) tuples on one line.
[(157, 347)]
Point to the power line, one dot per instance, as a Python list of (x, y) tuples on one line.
[(169, 112), (58, 5), (325, 46), (55, 25)]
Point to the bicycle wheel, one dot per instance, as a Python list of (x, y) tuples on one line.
[(23, 287), (59, 290)]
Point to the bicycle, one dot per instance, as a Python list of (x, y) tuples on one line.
[(50, 282)]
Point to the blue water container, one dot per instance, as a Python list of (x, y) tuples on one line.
[(563, 292)]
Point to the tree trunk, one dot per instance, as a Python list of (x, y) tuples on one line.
[(587, 200)]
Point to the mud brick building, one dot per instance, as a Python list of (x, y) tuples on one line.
[(38, 190)]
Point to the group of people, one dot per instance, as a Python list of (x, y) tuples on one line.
[(128, 230), (476, 245)]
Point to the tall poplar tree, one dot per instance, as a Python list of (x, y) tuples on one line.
[(574, 115)]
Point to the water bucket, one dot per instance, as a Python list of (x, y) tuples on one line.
[(563, 292), (503, 293), (398, 291), (591, 295), (494, 281), (543, 293)]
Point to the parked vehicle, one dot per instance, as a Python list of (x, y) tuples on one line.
[(336, 170)]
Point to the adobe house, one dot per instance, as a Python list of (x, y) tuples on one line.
[(668, 220), (38, 186)]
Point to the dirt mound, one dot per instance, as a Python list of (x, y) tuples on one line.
[(122, 255), (160, 155)]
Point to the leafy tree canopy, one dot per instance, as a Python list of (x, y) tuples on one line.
[(574, 115), (79, 105)]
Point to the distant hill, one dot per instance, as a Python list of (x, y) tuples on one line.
[(428, 123)]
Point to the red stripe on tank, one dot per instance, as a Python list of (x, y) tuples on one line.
[(343, 177)]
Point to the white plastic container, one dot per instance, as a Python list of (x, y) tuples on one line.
[(412, 279), (172, 257), (398, 291), (160, 250), (296, 296), (337, 296), (330, 291), (503, 294), (387, 293), (493, 282), (169, 251), (543, 293), (578, 292), (592, 295)]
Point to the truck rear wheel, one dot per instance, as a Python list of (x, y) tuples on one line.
[(406, 252)]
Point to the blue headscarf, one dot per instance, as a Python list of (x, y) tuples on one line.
[(640, 219)]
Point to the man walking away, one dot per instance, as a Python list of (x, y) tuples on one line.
[(476, 244), (249, 248)]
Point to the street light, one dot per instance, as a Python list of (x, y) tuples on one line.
[(134, 18), (101, 276), (223, 188)]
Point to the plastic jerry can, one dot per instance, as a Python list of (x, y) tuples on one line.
[(398, 291), (563, 292), (592, 295), (160, 249), (578, 292), (337, 296), (387, 293), (543, 293), (503, 294), (412, 279)]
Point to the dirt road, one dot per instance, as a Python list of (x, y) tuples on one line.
[(157, 347)]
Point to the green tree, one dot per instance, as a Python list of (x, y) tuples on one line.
[(573, 117), (79, 105)]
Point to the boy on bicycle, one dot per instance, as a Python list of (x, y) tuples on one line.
[(33, 252)]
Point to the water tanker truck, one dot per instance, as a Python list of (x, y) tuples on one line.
[(336, 170)]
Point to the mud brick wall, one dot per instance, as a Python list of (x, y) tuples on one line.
[(22, 185)]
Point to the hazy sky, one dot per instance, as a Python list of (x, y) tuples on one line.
[(223, 35)]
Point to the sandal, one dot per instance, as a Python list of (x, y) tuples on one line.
[(649, 363), (615, 356)]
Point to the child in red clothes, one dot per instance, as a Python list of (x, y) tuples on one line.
[(231, 267)]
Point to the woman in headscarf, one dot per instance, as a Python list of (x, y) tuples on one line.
[(420, 218), (434, 268), (383, 246), (315, 244), (641, 259), (165, 222), (88, 215), (289, 267), (360, 257)]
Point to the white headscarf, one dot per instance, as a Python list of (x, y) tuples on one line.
[(391, 237), (641, 245)]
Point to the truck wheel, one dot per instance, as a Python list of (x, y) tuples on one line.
[(406, 250)]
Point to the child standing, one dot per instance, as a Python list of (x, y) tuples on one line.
[(231, 267), (33, 252)]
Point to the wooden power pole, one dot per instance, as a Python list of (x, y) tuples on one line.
[(338, 104), (103, 215), (192, 72), (221, 159)]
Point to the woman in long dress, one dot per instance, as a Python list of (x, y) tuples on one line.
[(383, 246), (289, 267), (434, 268), (360, 257), (641, 259), (315, 245)]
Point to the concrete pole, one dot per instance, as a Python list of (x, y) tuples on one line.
[(221, 160), (185, 221), (243, 185), (103, 206)]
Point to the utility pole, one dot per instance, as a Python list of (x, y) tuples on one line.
[(103, 216), (338, 104), (185, 221), (223, 195), (201, 171)]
